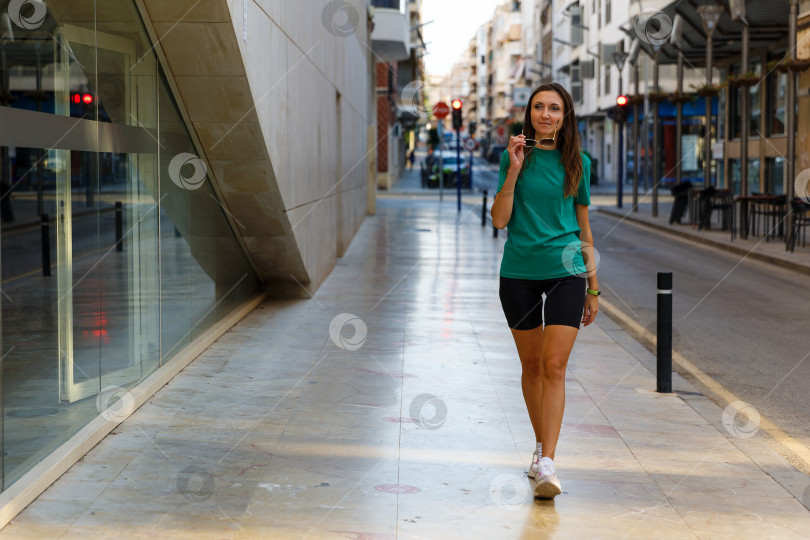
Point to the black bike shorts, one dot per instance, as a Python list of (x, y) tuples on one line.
[(525, 308)]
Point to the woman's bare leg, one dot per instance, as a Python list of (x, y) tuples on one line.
[(558, 341), (529, 345)]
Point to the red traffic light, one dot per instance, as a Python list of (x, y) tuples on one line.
[(621, 101), (457, 104), (87, 99)]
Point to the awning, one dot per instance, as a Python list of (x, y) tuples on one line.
[(767, 20)]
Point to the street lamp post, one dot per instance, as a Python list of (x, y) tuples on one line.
[(790, 162), (656, 137), (709, 14), (619, 58)]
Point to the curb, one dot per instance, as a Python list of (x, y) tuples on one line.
[(708, 241)]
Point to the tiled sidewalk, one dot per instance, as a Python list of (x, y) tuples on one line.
[(389, 406)]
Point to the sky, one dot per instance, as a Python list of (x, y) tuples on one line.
[(454, 24)]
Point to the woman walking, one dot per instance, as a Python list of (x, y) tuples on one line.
[(548, 282)]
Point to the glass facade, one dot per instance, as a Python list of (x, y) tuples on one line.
[(775, 175), (102, 189)]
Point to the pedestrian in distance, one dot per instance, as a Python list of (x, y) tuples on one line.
[(548, 284), (411, 158)]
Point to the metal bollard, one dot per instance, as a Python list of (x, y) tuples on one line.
[(46, 246), (664, 333), (119, 227), (484, 211)]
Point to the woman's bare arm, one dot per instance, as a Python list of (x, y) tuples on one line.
[(501, 211)]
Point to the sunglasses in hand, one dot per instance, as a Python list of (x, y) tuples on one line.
[(545, 141)]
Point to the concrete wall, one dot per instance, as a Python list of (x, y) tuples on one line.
[(282, 118)]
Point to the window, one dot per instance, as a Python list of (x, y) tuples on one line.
[(599, 15), (576, 25), (774, 176), (755, 118), (576, 83), (607, 79), (777, 90), (390, 4), (607, 11), (735, 105)]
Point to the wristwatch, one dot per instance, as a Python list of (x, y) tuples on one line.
[(594, 292)]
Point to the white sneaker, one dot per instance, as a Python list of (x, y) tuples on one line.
[(547, 486), (534, 468)]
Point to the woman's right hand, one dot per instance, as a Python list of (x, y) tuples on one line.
[(515, 149)]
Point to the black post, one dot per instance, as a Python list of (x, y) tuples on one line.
[(620, 180), (46, 246), (494, 231), (484, 211), (119, 227), (471, 169), (664, 333), (458, 167)]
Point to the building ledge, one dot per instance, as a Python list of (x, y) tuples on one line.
[(390, 40)]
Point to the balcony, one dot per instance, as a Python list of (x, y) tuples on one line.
[(390, 39)]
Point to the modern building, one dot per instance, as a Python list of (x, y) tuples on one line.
[(165, 166)]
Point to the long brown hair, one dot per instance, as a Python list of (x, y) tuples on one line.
[(569, 143)]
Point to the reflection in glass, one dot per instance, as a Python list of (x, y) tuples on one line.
[(755, 122), (778, 90), (139, 265), (775, 175)]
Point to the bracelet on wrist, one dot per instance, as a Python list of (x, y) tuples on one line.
[(593, 292)]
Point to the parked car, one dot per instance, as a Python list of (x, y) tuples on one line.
[(450, 164)]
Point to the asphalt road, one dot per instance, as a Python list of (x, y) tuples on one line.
[(746, 324)]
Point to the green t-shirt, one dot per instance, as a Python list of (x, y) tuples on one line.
[(543, 238)]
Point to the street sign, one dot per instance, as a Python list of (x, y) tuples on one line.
[(469, 144), (441, 110)]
